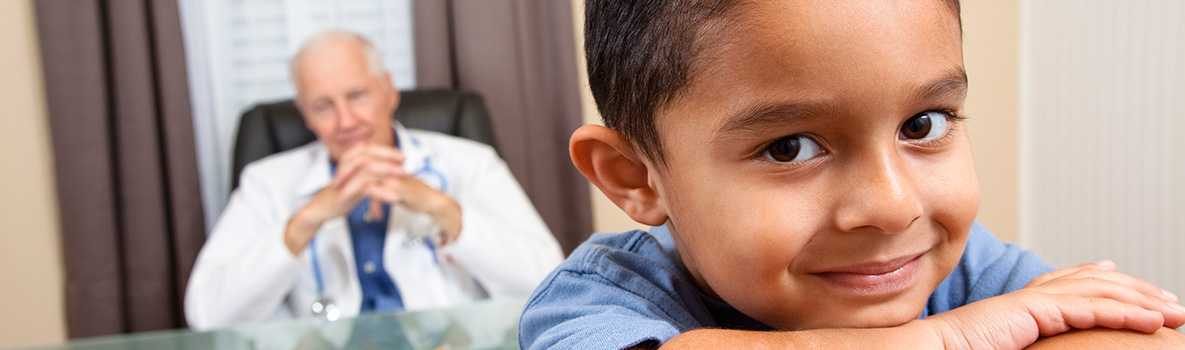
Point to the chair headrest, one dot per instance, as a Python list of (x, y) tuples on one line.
[(273, 127)]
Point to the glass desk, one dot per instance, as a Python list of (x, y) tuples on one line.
[(484, 325)]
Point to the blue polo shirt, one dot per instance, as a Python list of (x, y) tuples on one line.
[(620, 290), (379, 292)]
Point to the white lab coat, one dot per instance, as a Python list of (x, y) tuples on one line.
[(245, 272)]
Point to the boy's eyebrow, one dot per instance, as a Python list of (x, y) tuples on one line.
[(953, 83), (755, 117), (758, 116)]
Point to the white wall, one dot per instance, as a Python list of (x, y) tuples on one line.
[(1103, 96)]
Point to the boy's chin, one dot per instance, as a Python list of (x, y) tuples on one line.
[(840, 315), (879, 316)]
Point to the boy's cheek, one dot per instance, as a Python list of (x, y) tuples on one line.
[(950, 191), (744, 253), (737, 229), (730, 225)]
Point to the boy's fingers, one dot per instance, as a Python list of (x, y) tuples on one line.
[(1090, 312), (1152, 297), (1102, 288), (1172, 314), (1130, 281), (1056, 274)]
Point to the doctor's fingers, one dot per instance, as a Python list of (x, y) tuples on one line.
[(409, 192), (403, 189), (351, 192), (386, 194), (375, 152), (368, 171)]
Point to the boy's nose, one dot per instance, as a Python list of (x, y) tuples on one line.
[(881, 197)]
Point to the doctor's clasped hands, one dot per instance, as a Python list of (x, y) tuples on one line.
[(373, 171)]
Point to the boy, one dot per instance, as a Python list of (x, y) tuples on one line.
[(805, 167)]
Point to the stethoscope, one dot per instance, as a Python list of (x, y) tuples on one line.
[(324, 307)]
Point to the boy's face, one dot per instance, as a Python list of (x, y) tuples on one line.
[(815, 176)]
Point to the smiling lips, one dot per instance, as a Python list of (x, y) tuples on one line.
[(875, 278)]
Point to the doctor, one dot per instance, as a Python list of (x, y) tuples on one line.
[(370, 217)]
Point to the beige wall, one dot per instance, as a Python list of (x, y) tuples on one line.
[(606, 216), (990, 47), (30, 257), (991, 41)]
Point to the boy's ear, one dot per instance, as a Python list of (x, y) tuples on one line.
[(610, 162)]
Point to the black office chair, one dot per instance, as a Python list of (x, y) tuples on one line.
[(270, 128)]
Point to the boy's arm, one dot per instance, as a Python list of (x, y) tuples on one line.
[(1112, 339), (1084, 297), (907, 337), (913, 335)]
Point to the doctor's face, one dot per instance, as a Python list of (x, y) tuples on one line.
[(817, 173), (343, 101)]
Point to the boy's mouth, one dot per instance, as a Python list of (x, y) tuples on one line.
[(873, 278)]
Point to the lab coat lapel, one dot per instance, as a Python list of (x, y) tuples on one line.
[(413, 151), (317, 175)]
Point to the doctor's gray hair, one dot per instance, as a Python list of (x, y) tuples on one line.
[(374, 60)]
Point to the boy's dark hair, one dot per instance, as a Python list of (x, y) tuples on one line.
[(640, 55)]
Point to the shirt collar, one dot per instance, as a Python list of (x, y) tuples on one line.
[(662, 234)]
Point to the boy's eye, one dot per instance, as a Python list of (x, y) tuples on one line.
[(926, 126), (793, 148)]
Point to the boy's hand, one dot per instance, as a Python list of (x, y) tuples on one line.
[(1087, 296)]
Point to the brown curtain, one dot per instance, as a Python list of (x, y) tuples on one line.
[(520, 55), (131, 214)]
